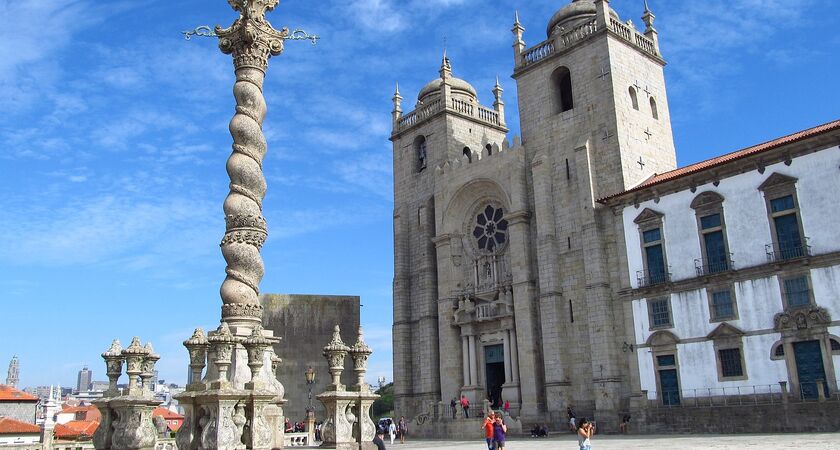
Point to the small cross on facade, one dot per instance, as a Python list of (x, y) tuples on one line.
[(641, 163), (604, 72), (648, 133), (636, 83), (607, 134), (647, 91)]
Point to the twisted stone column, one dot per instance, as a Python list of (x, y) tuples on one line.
[(252, 41)]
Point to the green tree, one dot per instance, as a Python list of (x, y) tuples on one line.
[(384, 405)]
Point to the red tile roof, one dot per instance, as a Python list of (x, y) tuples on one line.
[(11, 426), (169, 416), (89, 413), (10, 394), (76, 429), (720, 160)]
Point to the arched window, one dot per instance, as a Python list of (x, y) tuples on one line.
[(634, 98), (653, 111), (778, 351), (561, 85), (489, 149), (468, 153), (420, 151)]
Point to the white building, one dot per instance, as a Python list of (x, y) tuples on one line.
[(734, 272)]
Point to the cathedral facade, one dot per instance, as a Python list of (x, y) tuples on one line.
[(507, 268)]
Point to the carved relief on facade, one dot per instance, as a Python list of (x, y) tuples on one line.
[(802, 318)]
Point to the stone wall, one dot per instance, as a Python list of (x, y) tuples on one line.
[(305, 323), (791, 417), (20, 411)]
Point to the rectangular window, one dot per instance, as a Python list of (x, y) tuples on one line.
[(797, 292), (655, 264), (722, 305), (782, 204), (788, 236), (666, 360), (730, 363), (660, 313), (716, 255), (652, 235), (711, 221)]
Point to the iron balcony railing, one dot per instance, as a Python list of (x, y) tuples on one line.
[(647, 278), (763, 394), (714, 267), (785, 252)]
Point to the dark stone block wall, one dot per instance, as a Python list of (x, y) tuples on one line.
[(305, 323), (778, 418)]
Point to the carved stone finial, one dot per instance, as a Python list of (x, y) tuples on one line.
[(114, 351), (256, 346), (335, 352), (113, 364), (222, 342), (251, 39), (135, 356), (360, 352)]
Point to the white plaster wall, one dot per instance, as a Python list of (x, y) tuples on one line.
[(646, 371), (745, 214), (758, 302), (826, 286), (19, 439), (836, 358)]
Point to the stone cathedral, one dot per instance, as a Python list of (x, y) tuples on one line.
[(506, 269)]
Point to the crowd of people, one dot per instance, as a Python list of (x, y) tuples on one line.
[(495, 429)]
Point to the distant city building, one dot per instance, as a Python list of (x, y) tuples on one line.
[(84, 380), (17, 405), (13, 378), (99, 386)]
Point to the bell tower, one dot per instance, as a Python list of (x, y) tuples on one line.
[(595, 121), (447, 123)]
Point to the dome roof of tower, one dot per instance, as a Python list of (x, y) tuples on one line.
[(573, 14), (459, 86)]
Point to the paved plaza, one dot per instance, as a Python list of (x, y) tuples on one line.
[(815, 441)]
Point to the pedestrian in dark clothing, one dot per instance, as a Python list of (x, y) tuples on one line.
[(378, 442), (454, 404)]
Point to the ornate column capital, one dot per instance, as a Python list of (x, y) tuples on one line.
[(251, 39)]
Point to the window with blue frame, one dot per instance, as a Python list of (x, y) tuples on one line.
[(786, 224), (797, 293), (654, 256), (723, 305), (660, 313)]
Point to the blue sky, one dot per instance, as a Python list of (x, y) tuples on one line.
[(114, 138)]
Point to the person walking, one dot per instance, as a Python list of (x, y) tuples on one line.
[(488, 429), (454, 404), (499, 433), (585, 432), (403, 428), (465, 404), (572, 419), (392, 431), (377, 441), (506, 407)]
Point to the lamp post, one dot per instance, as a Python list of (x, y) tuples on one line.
[(310, 380), (310, 411)]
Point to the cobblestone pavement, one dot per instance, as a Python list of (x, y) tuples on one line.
[(821, 441)]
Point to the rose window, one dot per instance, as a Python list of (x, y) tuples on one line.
[(490, 229)]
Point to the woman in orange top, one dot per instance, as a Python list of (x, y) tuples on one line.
[(488, 429)]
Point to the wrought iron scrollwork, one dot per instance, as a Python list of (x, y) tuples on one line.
[(296, 35)]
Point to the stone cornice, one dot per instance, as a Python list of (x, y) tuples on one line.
[(516, 217), (731, 276)]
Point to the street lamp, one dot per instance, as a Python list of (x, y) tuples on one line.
[(310, 380)]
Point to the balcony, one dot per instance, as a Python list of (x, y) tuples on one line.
[(786, 252), (646, 278), (714, 267)]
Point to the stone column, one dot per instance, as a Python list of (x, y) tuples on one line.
[(514, 357), (252, 41), (473, 362), (508, 361), (466, 357)]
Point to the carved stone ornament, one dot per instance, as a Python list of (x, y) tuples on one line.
[(360, 352), (256, 346), (135, 355), (251, 39), (222, 342), (336, 352), (800, 319), (114, 364)]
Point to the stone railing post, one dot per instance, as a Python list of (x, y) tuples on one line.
[(126, 421), (359, 353), (820, 390), (197, 346), (783, 386)]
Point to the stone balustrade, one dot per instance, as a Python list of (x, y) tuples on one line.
[(297, 440), (569, 38), (426, 111)]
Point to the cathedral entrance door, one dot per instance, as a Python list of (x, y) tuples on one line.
[(494, 360)]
